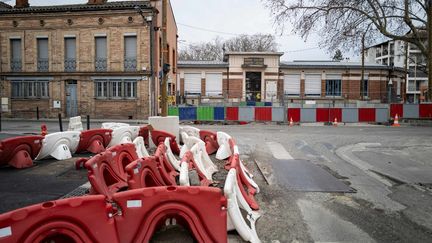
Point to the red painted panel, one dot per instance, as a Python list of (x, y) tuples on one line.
[(336, 113), (322, 114), (263, 113), (425, 111), (366, 114), (293, 113), (232, 113), (396, 109)]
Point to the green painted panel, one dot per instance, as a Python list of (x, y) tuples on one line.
[(173, 111), (259, 104), (205, 113), (243, 103)]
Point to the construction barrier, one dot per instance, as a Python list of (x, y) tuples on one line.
[(415, 111), (143, 173), (170, 155), (203, 161), (210, 139), (123, 134), (144, 132), (94, 140), (159, 137), (140, 147), (19, 152), (60, 145), (80, 219), (202, 210), (167, 171), (188, 163)]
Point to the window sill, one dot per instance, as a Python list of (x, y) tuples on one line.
[(115, 99), (30, 98)]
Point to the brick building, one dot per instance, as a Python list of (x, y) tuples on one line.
[(100, 58), (262, 77)]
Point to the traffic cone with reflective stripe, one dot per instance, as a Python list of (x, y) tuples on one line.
[(335, 123), (396, 121), (291, 123)]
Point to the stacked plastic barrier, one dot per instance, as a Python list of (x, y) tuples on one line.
[(60, 145), (19, 152), (139, 191)]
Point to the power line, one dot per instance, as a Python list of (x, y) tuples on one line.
[(306, 49), (208, 30)]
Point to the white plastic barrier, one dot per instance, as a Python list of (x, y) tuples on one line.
[(114, 125), (75, 124), (224, 150), (235, 217), (60, 145), (124, 134), (140, 147), (184, 175), (168, 124), (245, 171), (191, 131), (203, 161), (170, 155), (189, 142)]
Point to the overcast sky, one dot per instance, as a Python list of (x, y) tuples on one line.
[(204, 20)]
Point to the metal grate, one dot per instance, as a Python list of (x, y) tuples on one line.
[(79, 191), (130, 64), (42, 65), (16, 65), (101, 64), (70, 64)]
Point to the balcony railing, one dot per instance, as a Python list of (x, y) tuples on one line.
[(101, 64), (130, 64), (42, 65), (70, 65), (16, 65)]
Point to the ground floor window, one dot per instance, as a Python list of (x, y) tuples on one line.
[(115, 88), (333, 87), (30, 89)]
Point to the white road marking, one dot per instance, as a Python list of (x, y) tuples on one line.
[(278, 151)]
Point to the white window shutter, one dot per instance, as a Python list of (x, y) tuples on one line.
[(214, 84), (292, 84), (192, 83), (313, 84)]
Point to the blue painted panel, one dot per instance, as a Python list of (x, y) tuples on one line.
[(246, 113), (381, 115), (268, 104), (250, 103), (411, 111), (350, 115), (219, 113), (188, 113), (308, 115), (278, 114)]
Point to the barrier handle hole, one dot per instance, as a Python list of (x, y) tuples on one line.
[(48, 205), (171, 188)]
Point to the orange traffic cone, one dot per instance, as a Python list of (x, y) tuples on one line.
[(335, 123), (291, 122), (396, 121)]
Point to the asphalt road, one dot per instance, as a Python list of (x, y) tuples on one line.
[(388, 170)]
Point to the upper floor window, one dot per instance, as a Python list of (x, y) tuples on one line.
[(70, 54), (16, 56), (30, 89), (42, 55), (101, 53), (130, 51)]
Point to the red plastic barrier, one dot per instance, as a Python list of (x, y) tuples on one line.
[(202, 210), (247, 190), (158, 137), (144, 132), (396, 109), (293, 113), (232, 114), (167, 171), (94, 141), (210, 139), (19, 152), (188, 158), (366, 114), (425, 110), (79, 219), (106, 171), (143, 173), (263, 114), (328, 114)]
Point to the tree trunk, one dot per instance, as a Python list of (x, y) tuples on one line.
[(429, 49)]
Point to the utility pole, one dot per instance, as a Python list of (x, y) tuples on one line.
[(165, 60)]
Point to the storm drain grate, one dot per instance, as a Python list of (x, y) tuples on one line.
[(79, 191)]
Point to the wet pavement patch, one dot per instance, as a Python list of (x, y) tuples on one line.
[(302, 175)]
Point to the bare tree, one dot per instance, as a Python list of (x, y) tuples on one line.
[(343, 23), (337, 56), (215, 49)]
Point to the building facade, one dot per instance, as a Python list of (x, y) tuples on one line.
[(262, 77), (403, 55), (100, 59)]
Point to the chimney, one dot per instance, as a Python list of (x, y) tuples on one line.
[(22, 4), (96, 2)]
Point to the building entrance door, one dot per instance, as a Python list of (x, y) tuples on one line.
[(71, 98), (253, 86)]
